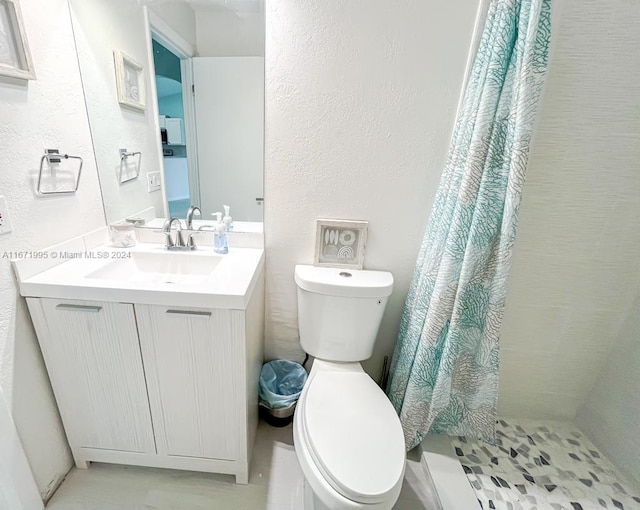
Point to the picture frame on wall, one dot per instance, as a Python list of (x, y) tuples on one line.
[(340, 243), (15, 57), (129, 81)]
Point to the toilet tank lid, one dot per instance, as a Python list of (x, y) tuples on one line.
[(334, 281)]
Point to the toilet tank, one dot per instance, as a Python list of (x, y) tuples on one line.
[(339, 310)]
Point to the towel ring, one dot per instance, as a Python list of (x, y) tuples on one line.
[(124, 155), (54, 156)]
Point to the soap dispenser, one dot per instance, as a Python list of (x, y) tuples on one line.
[(227, 220), (219, 236)]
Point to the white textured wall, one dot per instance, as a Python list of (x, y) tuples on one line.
[(101, 27), (576, 267), (46, 113), (360, 102), (611, 415), (180, 17), (223, 33)]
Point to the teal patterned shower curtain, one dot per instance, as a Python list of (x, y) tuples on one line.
[(444, 373)]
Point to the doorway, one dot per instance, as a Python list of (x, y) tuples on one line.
[(169, 88)]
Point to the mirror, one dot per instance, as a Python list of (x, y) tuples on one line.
[(174, 92)]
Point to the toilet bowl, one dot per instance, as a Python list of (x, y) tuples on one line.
[(347, 435), (348, 440)]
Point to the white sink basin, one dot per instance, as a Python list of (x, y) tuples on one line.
[(146, 274), (186, 268)]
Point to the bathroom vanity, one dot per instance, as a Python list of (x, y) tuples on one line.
[(154, 357)]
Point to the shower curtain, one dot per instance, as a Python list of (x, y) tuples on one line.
[(444, 373)]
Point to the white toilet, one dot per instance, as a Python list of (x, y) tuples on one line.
[(347, 435)]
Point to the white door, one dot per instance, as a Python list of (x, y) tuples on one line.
[(193, 371), (229, 104), (92, 354)]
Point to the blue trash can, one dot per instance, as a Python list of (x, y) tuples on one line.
[(281, 382)]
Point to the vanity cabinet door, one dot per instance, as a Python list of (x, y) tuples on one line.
[(92, 354), (194, 366)]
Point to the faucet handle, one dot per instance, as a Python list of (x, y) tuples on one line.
[(179, 239), (168, 240), (191, 242)]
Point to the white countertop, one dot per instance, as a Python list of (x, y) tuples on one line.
[(229, 286)]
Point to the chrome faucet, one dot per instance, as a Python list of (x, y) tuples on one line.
[(179, 243), (190, 214)]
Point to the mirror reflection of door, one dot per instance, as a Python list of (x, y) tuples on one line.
[(215, 157), (229, 100), (172, 129)]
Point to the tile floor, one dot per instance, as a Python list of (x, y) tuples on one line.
[(537, 464), (275, 483)]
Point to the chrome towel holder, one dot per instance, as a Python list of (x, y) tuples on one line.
[(124, 155), (53, 157)]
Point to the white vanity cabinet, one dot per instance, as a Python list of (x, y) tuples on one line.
[(191, 359), (155, 385), (93, 358)]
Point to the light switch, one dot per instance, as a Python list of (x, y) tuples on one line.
[(153, 181)]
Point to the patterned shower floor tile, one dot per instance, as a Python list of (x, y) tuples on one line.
[(542, 465)]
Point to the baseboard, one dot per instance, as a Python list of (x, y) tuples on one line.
[(53, 486)]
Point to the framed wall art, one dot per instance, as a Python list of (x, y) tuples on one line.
[(129, 81), (340, 243), (15, 58)]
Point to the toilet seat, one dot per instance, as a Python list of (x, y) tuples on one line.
[(353, 435)]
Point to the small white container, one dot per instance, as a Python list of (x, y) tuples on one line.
[(123, 235)]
